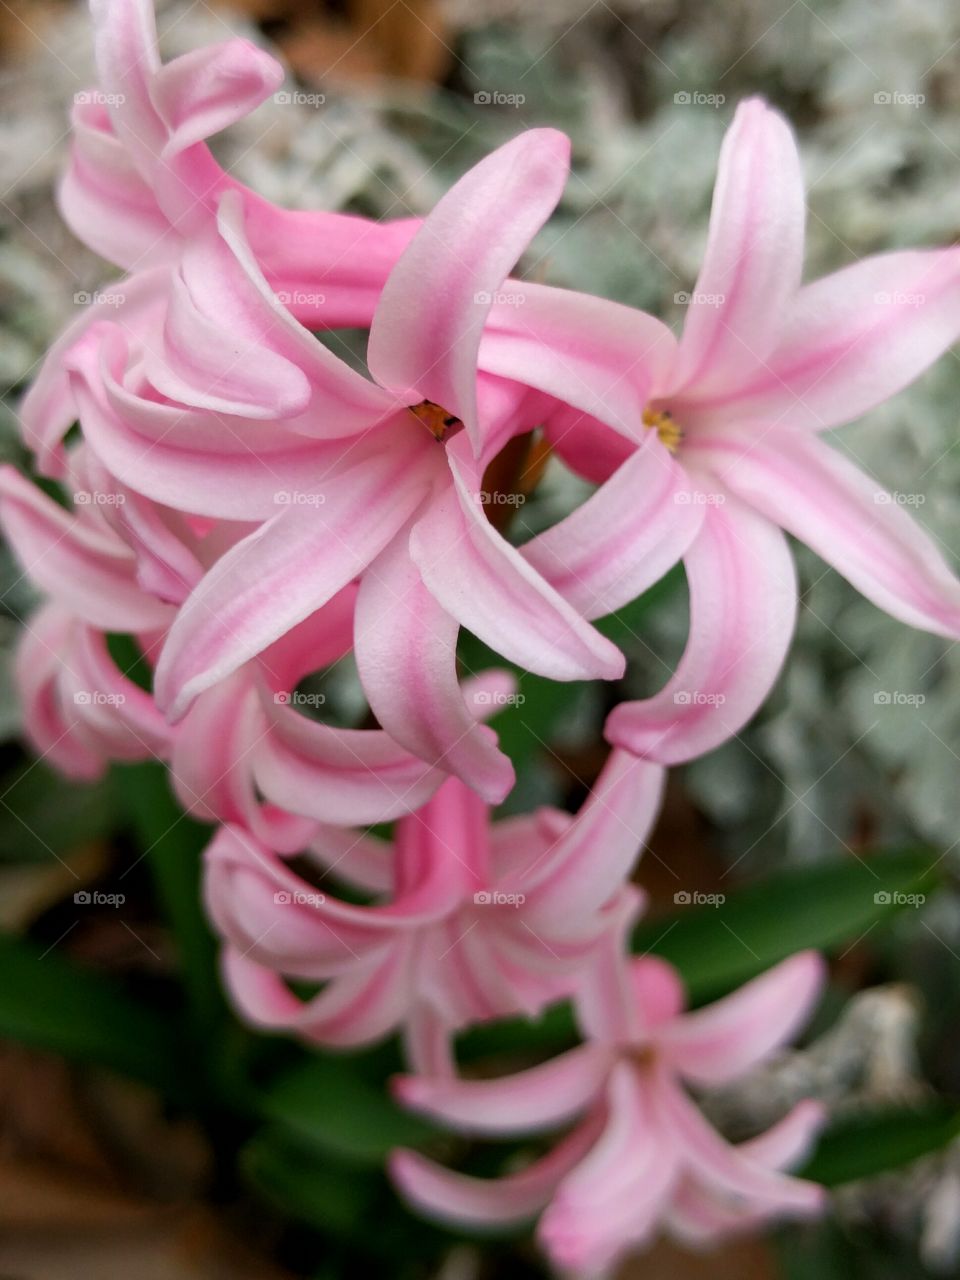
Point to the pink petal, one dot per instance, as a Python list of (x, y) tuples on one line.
[(602, 358), (356, 1009), (206, 90), (457, 1198), (825, 500), (716, 1044), (753, 260), (613, 1199), (624, 538), (344, 776), (852, 340), (84, 567), (487, 585), (540, 1097), (743, 602), (406, 649), (48, 410), (104, 199), (591, 860), (426, 333), (281, 573), (790, 1140), (189, 459), (728, 1171), (50, 724), (211, 768)]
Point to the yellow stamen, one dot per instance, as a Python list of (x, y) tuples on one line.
[(659, 420), (435, 418)]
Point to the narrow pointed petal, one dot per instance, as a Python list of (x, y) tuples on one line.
[(426, 333), (336, 775), (601, 357), (591, 860), (538, 1098), (624, 538), (489, 588), (791, 1139), (728, 1170), (208, 89), (458, 1198), (356, 1009), (743, 603), (754, 256), (280, 574), (406, 647), (853, 339), (849, 520), (614, 1198), (716, 1044), (86, 568)]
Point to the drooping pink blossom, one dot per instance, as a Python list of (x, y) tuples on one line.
[(641, 1156), (478, 920)]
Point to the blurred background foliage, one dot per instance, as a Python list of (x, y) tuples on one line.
[(141, 1128)]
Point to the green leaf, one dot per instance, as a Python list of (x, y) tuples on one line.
[(716, 948), (50, 1003), (327, 1103), (868, 1143), (173, 845), (321, 1193)]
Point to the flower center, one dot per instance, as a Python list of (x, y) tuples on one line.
[(435, 418), (667, 429)]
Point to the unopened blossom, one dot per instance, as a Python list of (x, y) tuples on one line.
[(472, 920), (641, 1158), (708, 446)]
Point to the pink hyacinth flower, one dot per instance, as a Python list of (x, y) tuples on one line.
[(478, 921), (182, 420), (712, 440), (642, 1157)]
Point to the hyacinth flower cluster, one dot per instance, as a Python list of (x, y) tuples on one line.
[(251, 509)]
